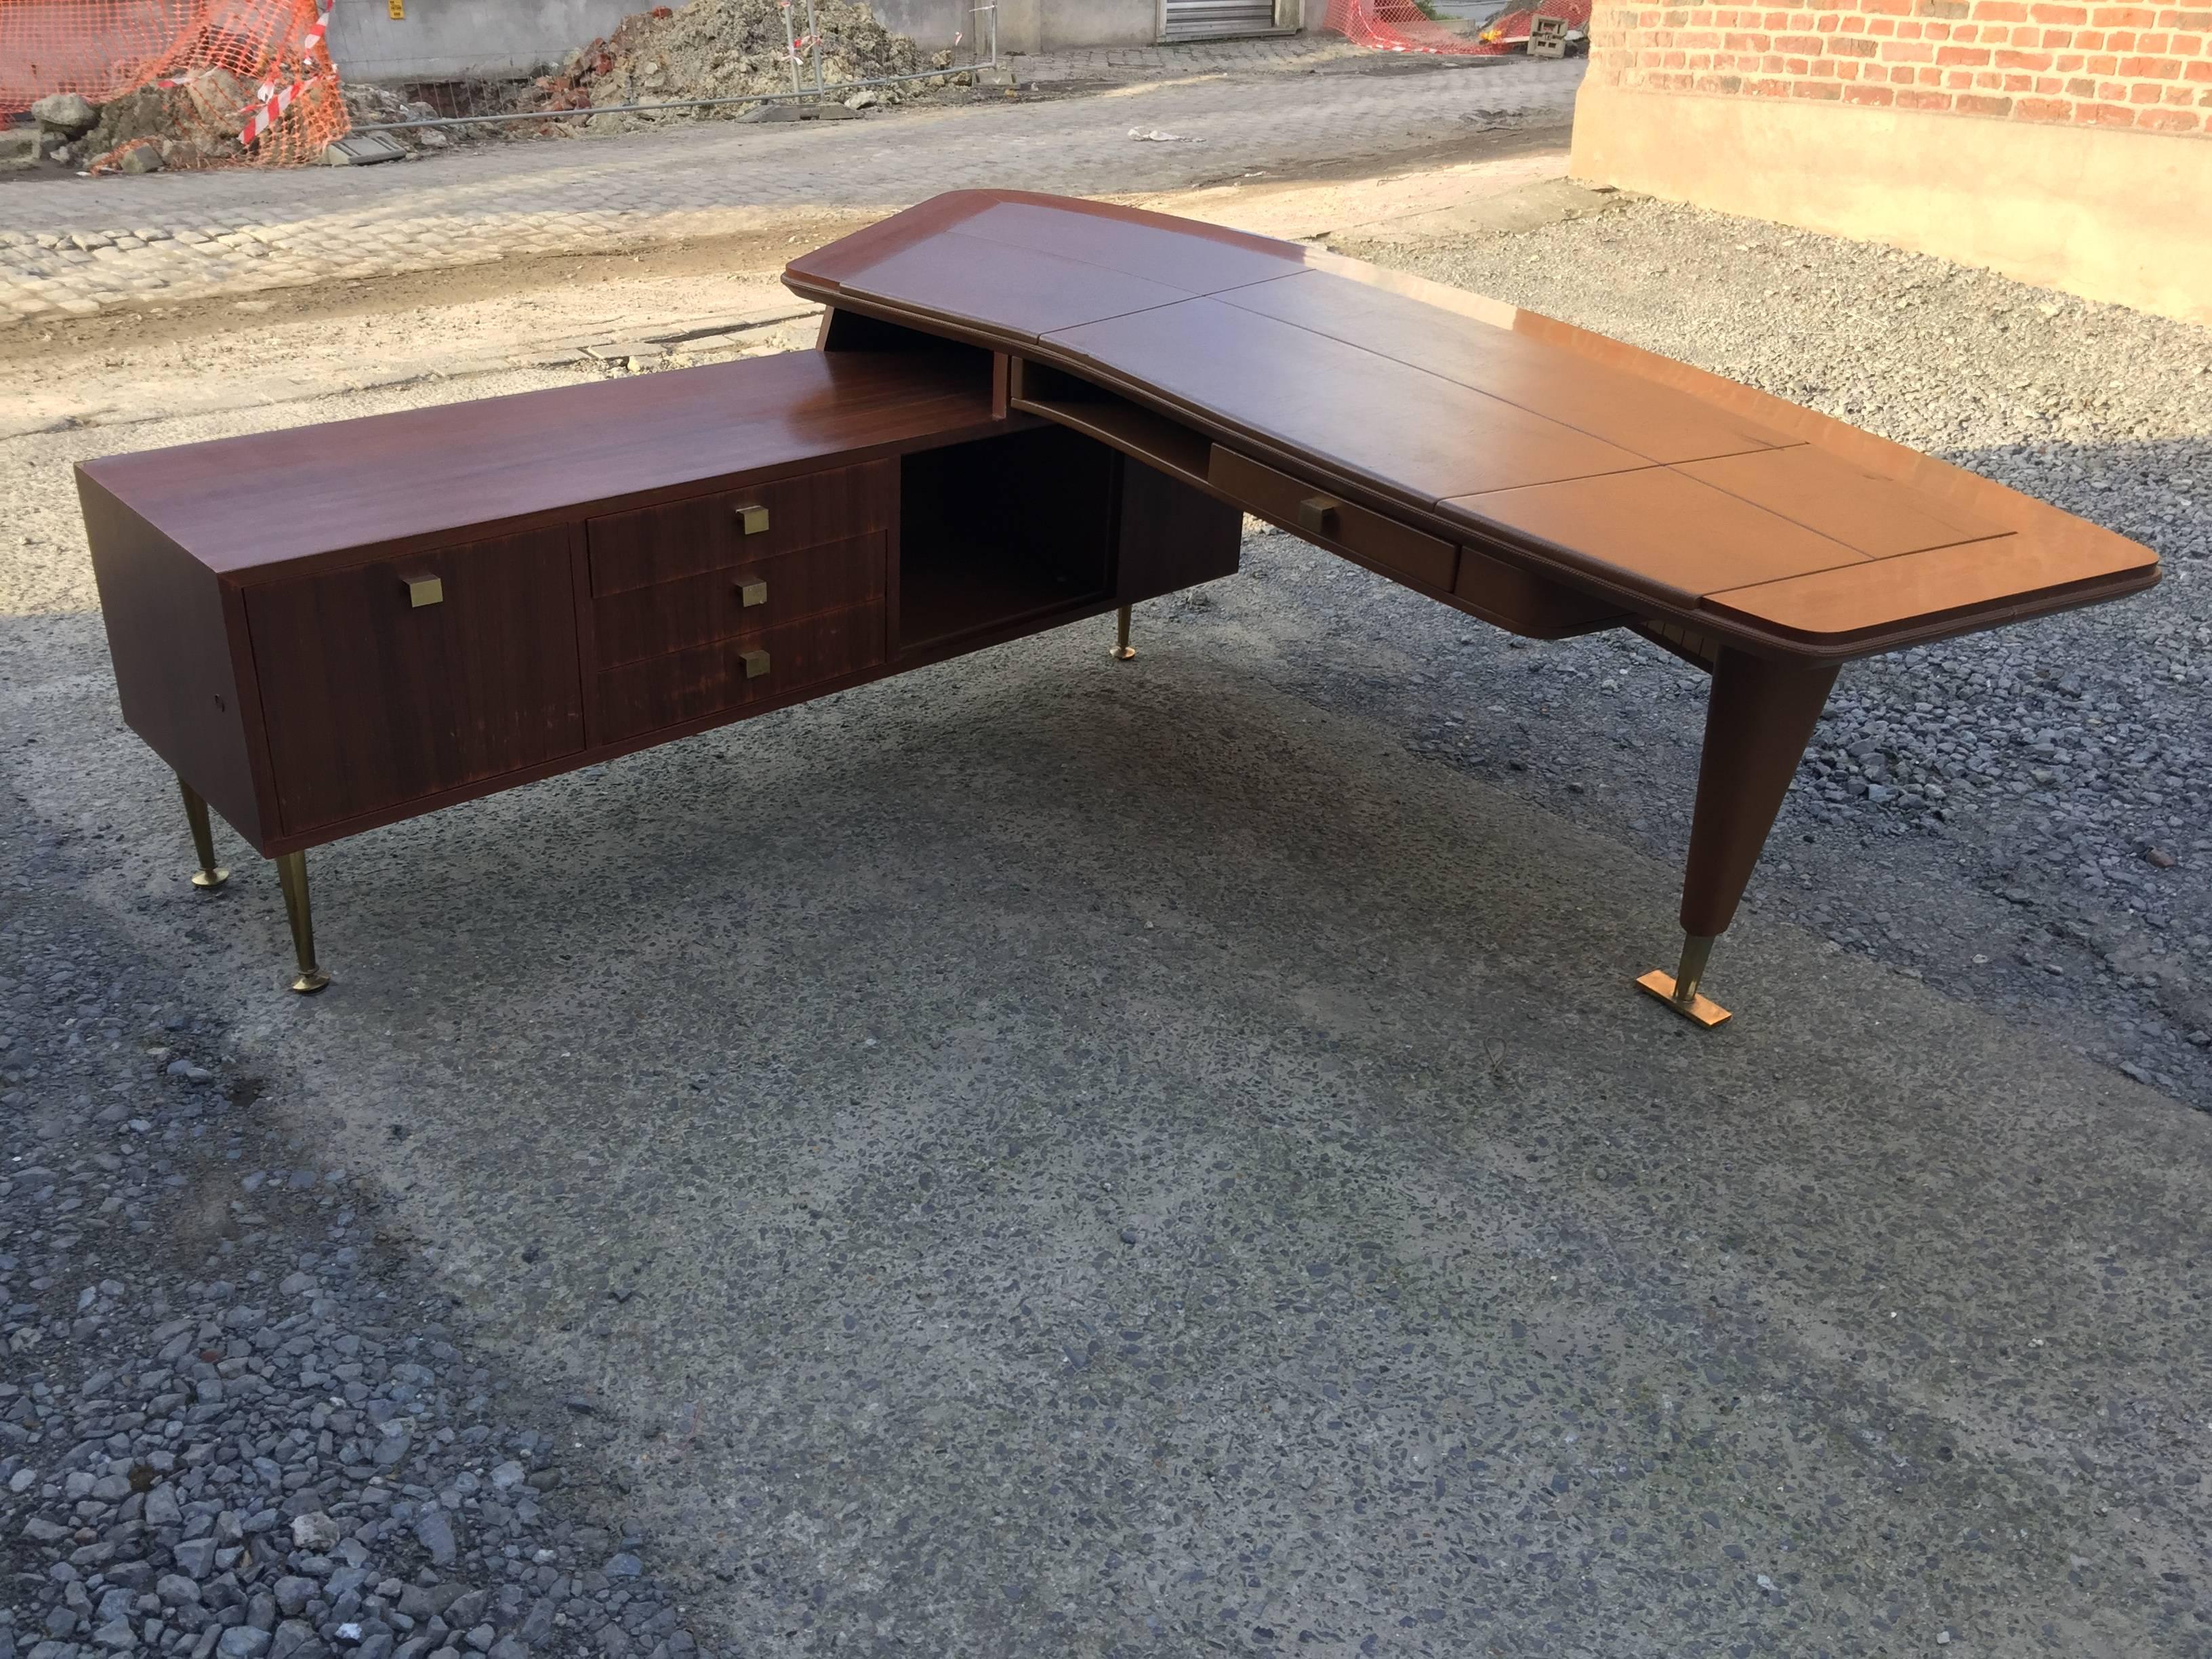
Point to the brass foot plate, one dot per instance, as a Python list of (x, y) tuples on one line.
[(314, 979), (1702, 1009), (1125, 654), (208, 880)]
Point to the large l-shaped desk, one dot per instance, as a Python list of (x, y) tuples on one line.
[(1024, 411)]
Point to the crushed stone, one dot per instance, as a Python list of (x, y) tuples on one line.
[(236, 1418)]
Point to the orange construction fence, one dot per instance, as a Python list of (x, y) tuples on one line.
[(1402, 26), (210, 81)]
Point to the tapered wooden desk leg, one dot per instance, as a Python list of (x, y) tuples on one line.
[(210, 875), (292, 874), (1759, 719), (1122, 649)]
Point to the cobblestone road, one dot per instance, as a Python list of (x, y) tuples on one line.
[(78, 247)]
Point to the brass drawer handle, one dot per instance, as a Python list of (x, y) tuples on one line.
[(424, 590), (756, 664), (1317, 515), (752, 521), (752, 593)]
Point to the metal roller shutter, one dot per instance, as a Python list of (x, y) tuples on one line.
[(1195, 20)]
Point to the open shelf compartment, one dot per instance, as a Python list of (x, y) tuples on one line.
[(1003, 531)]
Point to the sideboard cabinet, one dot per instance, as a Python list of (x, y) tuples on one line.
[(330, 628)]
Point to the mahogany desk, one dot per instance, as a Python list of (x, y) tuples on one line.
[(1025, 410)]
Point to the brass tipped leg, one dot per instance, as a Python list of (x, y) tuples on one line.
[(292, 875), (1679, 990), (1122, 649), (210, 876)]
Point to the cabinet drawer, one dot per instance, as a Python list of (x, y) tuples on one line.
[(708, 532), (1336, 524), (1521, 603), (388, 682), (707, 679), (740, 600)]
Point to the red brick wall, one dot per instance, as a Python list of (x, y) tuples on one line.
[(2148, 67)]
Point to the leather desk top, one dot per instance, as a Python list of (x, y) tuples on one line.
[(1610, 468)]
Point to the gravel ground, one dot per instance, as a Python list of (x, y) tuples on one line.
[(2024, 816), (234, 1419)]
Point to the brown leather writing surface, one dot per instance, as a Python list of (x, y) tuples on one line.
[(1876, 516), (1137, 245), (2015, 574), (1660, 424), (1027, 291), (1400, 426), (1679, 537)]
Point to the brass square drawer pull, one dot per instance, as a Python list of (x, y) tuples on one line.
[(739, 527), (752, 593), (1372, 538), (424, 590), (756, 664)]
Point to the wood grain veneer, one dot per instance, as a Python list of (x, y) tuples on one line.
[(672, 615), (656, 544), (371, 701), (669, 691), (169, 637), (418, 478)]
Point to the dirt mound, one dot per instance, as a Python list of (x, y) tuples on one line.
[(729, 49)]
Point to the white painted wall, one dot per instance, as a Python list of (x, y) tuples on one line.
[(451, 39), (441, 38)]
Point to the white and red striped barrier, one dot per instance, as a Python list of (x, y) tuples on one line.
[(271, 100)]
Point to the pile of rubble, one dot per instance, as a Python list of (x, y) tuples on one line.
[(69, 130), (193, 122), (58, 120), (732, 49), (369, 106)]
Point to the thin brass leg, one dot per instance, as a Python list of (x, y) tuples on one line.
[(210, 875), (1679, 990), (292, 875), (1122, 649)]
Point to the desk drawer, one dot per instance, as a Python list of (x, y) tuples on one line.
[(709, 533), (1512, 599), (739, 600), (708, 679), (1336, 524)]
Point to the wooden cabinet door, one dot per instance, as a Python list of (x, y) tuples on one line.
[(1173, 537), (378, 688)]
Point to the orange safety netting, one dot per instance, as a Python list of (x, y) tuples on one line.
[(208, 81), (1402, 26)]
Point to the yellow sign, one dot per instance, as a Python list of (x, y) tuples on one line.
[(399, 10)]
